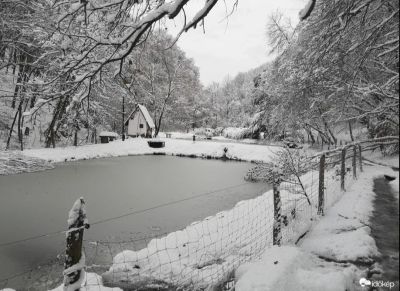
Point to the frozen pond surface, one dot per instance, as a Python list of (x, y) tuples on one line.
[(37, 203)]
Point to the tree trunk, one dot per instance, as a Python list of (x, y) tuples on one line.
[(158, 125), (20, 135), (76, 137), (50, 132), (351, 131), (311, 136), (17, 88), (11, 130), (123, 118)]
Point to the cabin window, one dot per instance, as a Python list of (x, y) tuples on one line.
[(141, 125)]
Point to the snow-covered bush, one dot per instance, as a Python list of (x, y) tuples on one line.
[(218, 131), (237, 132)]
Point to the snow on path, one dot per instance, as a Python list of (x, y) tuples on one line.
[(138, 146), (290, 268), (342, 234)]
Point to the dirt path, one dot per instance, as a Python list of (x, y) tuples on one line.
[(385, 230)]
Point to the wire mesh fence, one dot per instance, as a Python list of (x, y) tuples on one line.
[(206, 253)]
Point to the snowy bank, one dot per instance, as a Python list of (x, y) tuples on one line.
[(330, 255), (13, 162), (343, 233), (138, 146), (207, 252), (202, 254)]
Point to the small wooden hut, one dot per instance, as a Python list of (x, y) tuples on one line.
[(107, 136), (140, 123)]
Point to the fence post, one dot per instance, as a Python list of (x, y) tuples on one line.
[(343, 170), (74, 258), (321, 191), (277, 233), (354, 162), (360, 157)]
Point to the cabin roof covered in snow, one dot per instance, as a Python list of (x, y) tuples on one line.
[(145, 113), (108, 133)]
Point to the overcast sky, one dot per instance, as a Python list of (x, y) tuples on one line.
[(234, 44)]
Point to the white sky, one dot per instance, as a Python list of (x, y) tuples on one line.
[(235, 44)]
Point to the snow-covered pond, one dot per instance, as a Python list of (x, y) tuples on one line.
[(32, 204)]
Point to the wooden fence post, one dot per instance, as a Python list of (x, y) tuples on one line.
[(74, 258), (354, 162), (277, 233), (321, 190), (360, 157), (343, 170)]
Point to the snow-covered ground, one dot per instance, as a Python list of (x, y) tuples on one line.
[(207, 252), (289, 268), (376, 156), (329, 256), (138, 146), (91, 282)]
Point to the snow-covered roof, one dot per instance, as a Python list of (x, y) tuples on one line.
[(108, 133), (145, 113)]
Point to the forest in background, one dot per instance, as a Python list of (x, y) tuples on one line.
[(70, 70)]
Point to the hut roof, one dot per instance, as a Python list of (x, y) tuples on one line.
[(145, 113), (108, 133)]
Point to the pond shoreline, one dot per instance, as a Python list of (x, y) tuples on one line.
[(47, 158)]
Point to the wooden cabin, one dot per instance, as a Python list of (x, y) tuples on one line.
[(140, 123), (107, 136)]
